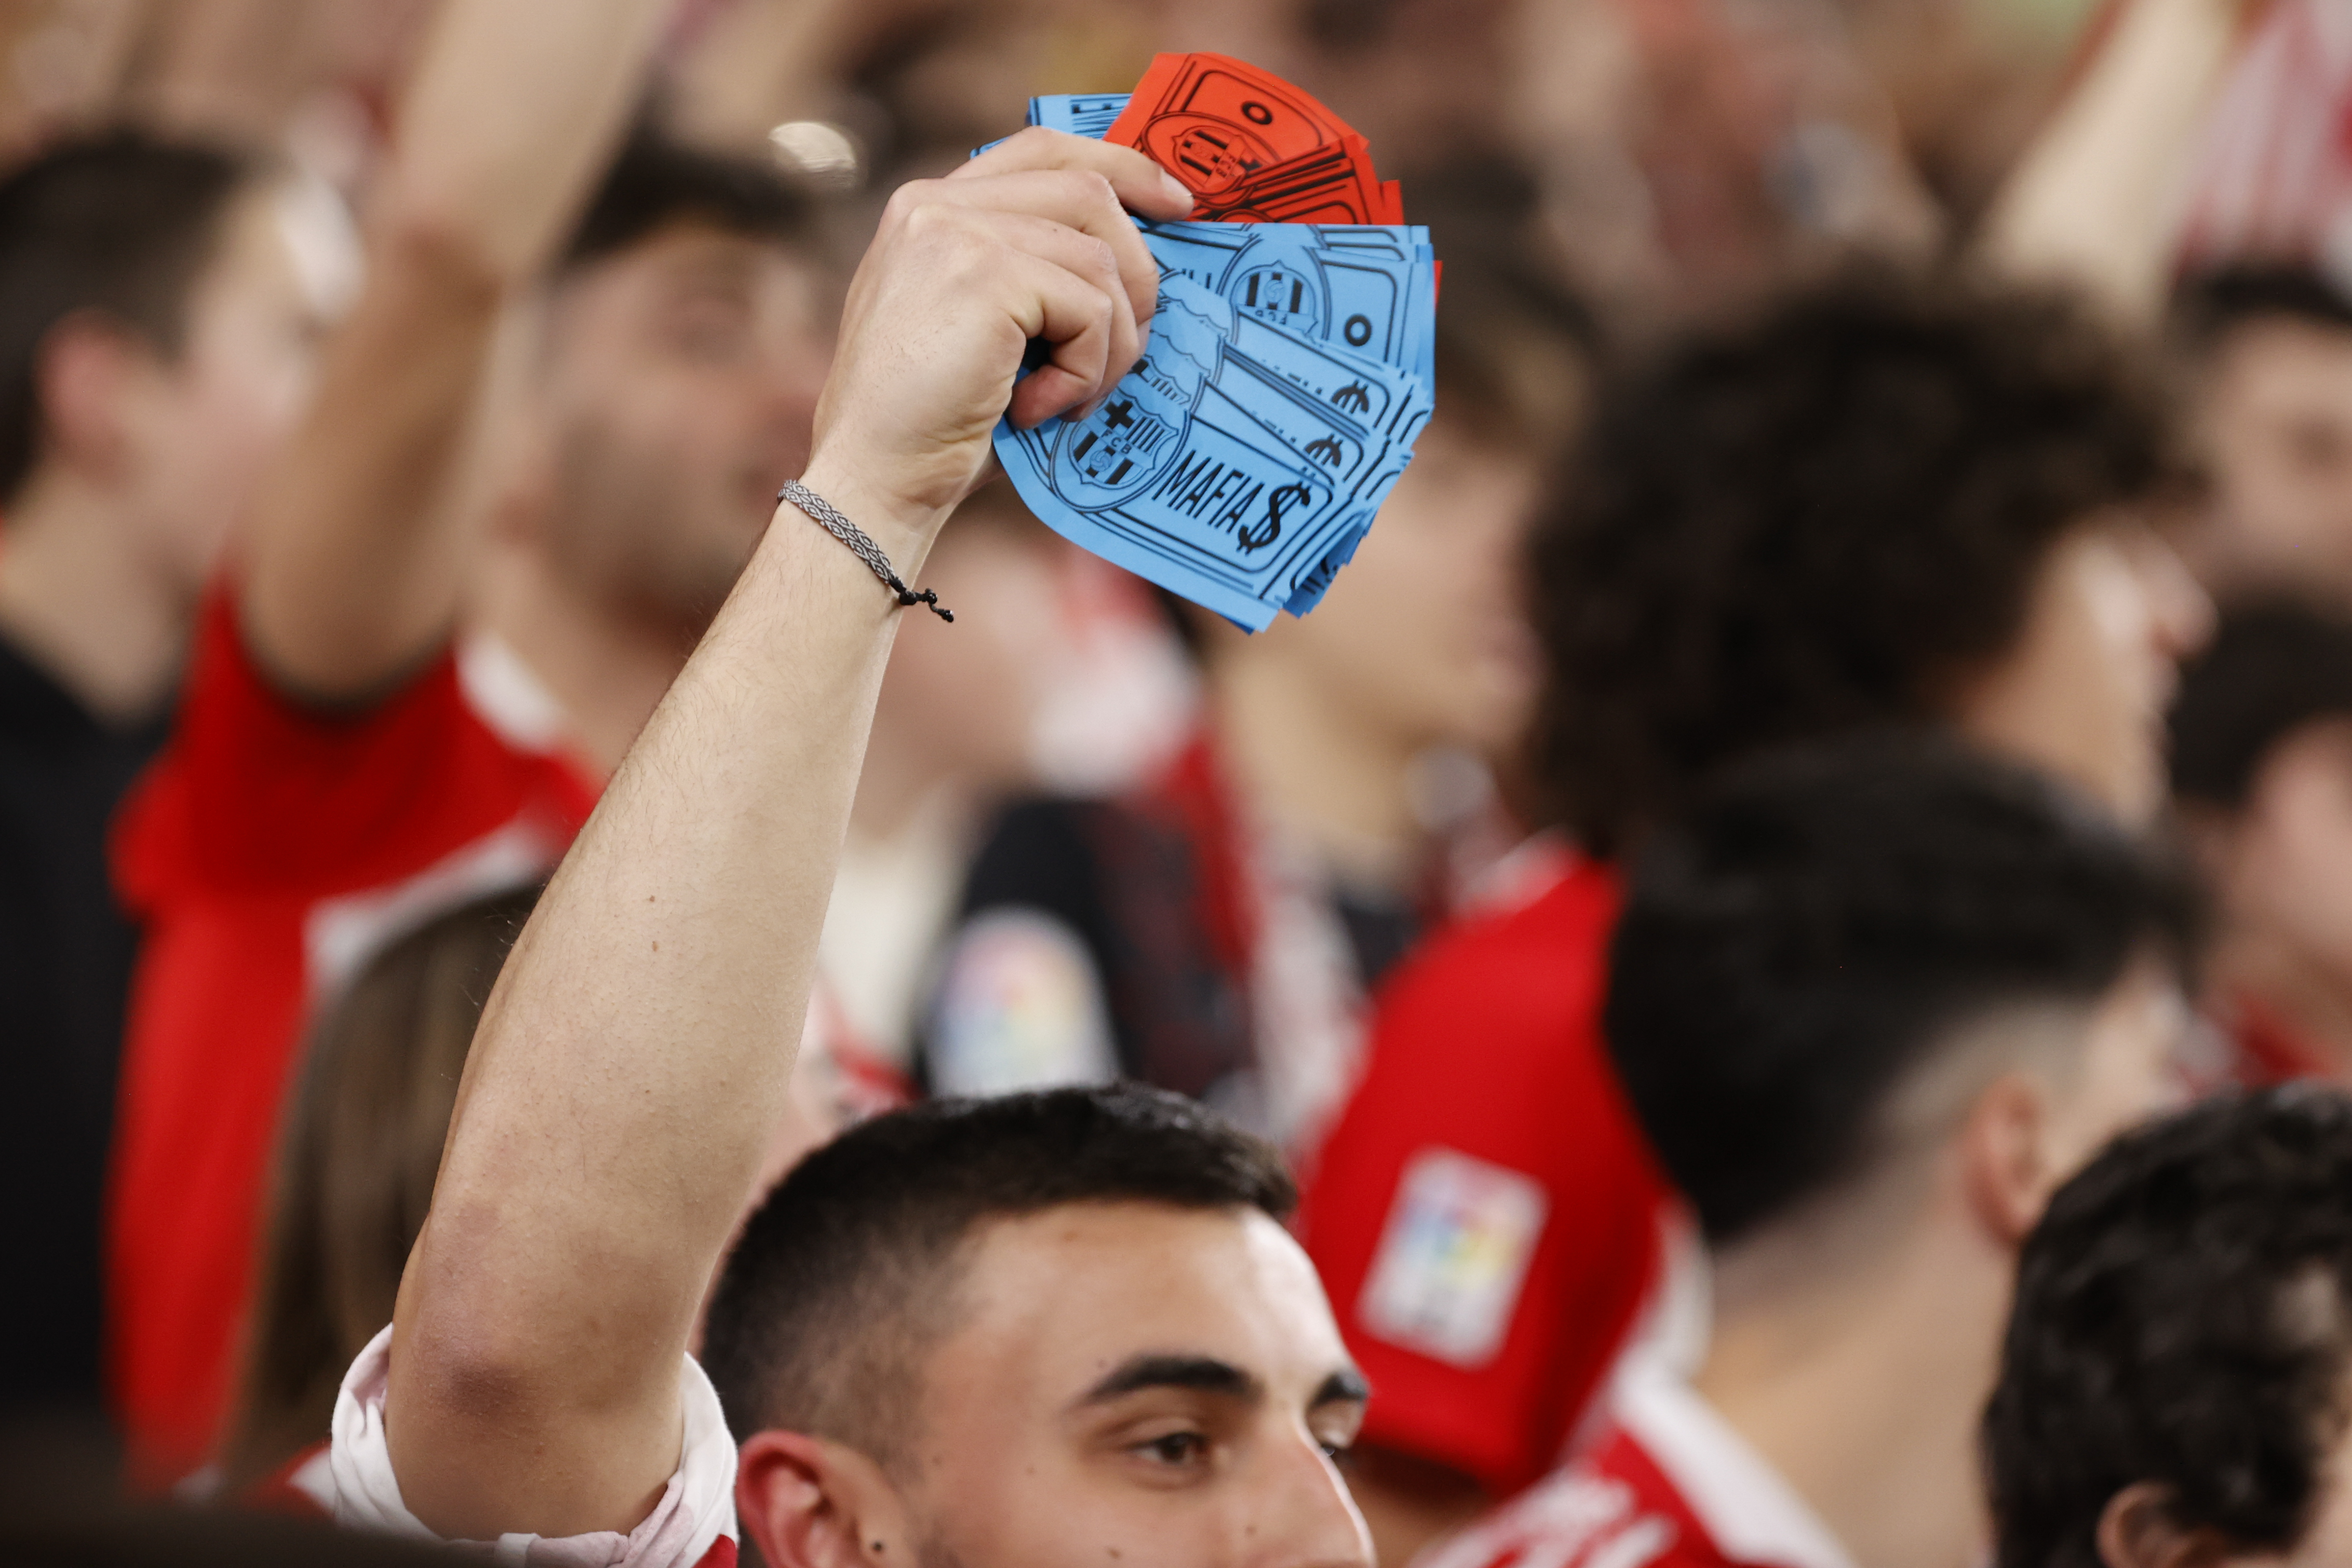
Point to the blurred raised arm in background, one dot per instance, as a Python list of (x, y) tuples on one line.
[(2093, 202), (324, 760)]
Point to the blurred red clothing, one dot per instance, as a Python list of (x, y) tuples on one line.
[(1668, 1485), (270, 851), (1485, 1214)]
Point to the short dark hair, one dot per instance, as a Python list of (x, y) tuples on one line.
[(2274, 666), (656, 182), (121, 224), (1820, 922), (846, 1276), (2208, 305), (2180, 1319), (1814, 522)]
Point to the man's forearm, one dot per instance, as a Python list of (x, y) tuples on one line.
[(636, 1055), (650, 1012), (355, 555)]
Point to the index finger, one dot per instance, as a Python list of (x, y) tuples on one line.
[(1142, 186)]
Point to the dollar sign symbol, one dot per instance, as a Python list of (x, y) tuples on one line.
[(1265, 533)]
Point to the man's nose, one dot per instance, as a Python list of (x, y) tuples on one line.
[(1310, 1519)]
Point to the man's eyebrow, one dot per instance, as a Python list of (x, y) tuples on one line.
[(1202, 1373), (1345, 1387)]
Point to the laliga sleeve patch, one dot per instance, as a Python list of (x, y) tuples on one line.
[(1452, 1256), (1021, 1008)]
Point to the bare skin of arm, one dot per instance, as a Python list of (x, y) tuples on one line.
[(351, 567), (2091, 202), (637, 1051)]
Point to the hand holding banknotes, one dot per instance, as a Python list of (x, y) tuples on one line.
[(1032, 241)]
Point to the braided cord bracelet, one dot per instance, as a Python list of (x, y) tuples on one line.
[(833, 520)]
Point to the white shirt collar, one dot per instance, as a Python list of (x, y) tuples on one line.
[(1753, 1515)]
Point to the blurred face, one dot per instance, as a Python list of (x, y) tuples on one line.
[(680, 381), (1422, 637), (971, 700), (2082, 690), (2284, 865), (200, 429), (1136, 1385), (2276, 421)]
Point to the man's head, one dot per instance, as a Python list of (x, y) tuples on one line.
[(157, 330), (1880, 501), (677, 366), (2174, 1387), (1423, 639), (1053, 1328), (2262, 766), (2267, 352), (1852, 979)]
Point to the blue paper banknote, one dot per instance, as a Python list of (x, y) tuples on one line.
[(1367, 289), (1237, 465), (1079, 113), (1241, 463)]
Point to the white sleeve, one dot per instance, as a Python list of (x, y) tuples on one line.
[(696, 1511)]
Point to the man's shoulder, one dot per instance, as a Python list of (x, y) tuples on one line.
[(1613, 1507)]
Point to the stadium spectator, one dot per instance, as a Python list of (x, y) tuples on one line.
[(2268, 353), (341, 764), (1131, 1357), (1216, 929), (1877, 501), (2172, 1383), (156, 333), (1870, 1004), (2262, 768)]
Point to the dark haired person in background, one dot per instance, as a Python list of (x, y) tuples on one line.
[(1877, 501), (2267, 353), (1869, 1005), (2261, 771), (2172, 1385), (156, 336), (419, 667)]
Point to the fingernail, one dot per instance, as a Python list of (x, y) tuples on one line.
[(1177, 191)]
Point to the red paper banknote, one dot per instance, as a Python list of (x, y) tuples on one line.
[(1251, 147)]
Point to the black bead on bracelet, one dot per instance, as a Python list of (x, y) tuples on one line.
[(831, 519)]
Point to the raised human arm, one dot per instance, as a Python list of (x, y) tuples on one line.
[(349, 572), (636, 1052), (2092, 202)]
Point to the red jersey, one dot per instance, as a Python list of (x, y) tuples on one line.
[(1485, 1214), (270, 851), (1668, 1485)]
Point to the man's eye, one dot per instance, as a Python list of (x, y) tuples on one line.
[(1337, 1452), (1176, 1448)]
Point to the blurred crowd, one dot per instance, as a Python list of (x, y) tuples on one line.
[(1788, 918)]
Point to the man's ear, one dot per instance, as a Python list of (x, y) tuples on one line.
[(2136, 1530), (2005, 1159), (806, 1502), (84, 370)]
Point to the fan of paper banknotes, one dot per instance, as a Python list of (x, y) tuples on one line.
[(1290, 365)]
